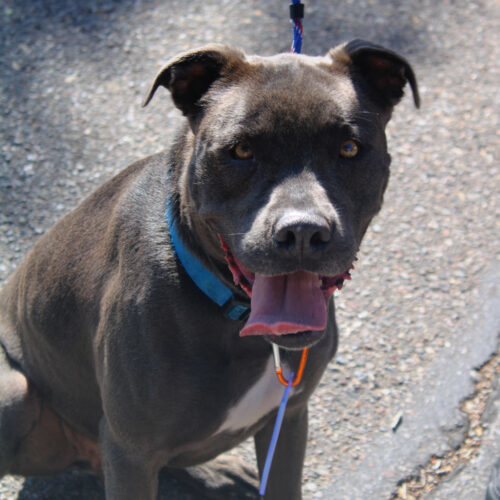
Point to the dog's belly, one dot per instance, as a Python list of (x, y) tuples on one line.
[(263, 397)]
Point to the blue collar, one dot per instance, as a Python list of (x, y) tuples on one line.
[(208, 283)]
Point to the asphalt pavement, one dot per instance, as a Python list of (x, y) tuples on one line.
[(422, 313)]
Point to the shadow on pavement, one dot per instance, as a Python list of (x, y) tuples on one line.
[(218, 480)]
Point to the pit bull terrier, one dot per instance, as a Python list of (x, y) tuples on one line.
[(137, 333)]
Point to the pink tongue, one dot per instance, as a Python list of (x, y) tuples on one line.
[(286, 304)]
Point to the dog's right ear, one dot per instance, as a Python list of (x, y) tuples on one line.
[(189, 76)]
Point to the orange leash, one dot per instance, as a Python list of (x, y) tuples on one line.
[(279, 370)]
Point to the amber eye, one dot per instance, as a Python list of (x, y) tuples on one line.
[(349, 149), (243, 151)]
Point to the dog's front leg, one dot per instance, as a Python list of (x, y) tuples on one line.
[(128, 475), (285, 477)]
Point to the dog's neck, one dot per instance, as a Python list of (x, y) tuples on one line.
[(231, 306)]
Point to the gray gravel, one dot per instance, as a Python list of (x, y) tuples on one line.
[(423, 308)]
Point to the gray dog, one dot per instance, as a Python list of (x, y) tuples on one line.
[(138, 332)]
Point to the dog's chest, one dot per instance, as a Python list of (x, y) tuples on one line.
[(263, 397)]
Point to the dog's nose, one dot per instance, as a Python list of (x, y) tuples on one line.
[(302, 234)]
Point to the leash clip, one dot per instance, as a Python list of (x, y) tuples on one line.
[(279, 369)]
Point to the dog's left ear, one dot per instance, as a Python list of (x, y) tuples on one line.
[(385, 71), (189, 76)]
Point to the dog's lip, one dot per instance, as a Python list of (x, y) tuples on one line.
[(296, 341), (241, 275), (245, 278)]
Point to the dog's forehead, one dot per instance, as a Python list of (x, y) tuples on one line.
[(285, 90)]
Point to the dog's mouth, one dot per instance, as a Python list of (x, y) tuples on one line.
[(287, 303)]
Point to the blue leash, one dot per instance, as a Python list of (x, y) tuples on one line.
[(274, 438), (296, 15)]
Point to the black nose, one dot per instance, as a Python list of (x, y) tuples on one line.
[(302, 235)]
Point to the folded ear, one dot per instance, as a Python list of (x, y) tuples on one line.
[(385, 71), (190, 75)]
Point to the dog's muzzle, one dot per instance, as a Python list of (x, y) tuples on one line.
[(287, 303)]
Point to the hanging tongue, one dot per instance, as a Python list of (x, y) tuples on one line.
[(284, 304)]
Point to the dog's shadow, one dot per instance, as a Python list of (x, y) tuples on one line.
[(221, 479)]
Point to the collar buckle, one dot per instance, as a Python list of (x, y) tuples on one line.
[(236, 309)]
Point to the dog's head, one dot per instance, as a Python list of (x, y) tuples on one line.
[(285, 165)]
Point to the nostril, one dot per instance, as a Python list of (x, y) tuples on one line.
[(285, 239), (320, 238)]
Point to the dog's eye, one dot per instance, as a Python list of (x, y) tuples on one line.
[(242, 151), (349, 149)]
